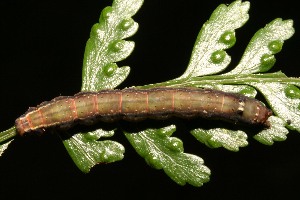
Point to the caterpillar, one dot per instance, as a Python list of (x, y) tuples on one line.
[(139, 104)]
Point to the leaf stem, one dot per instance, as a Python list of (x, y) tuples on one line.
[(237, 79), (7, 135)]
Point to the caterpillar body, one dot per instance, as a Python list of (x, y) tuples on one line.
[(139, 104)]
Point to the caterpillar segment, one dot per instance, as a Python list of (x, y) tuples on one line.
[(139, 104)]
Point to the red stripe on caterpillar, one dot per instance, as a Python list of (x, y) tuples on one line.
[(139, 104)]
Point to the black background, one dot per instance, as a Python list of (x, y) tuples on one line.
[(42, 46)]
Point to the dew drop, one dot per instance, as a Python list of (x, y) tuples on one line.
[(292, 92), (218, 56), (153, 161), (117, 45), (275, 46), (106, 13), (267, 62), (228, 38), (95, 28), (247, 91), (105, 156), (92, 136), (175, 144), (164, 133), (109, 69), (127, 23)]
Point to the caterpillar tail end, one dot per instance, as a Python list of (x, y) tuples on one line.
[(267, 123)]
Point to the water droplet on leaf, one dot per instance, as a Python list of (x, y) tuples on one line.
[(267, 62), (117, 45), (110, 68), (164, 132), (175, 144), (91, 136), (106, 13), (105, 156), (153, 161), (218, 56), (275, 46), (127, 23), (247, 91), (292, 92), (95, 28), (228, 38)]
